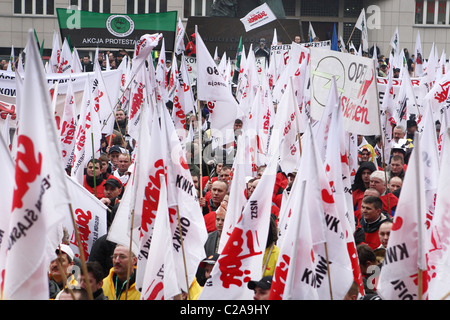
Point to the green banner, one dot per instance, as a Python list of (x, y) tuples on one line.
[(103, 30)]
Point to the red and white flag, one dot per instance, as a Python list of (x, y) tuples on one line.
[(237, 199), (87, 136), (337, 169), (179, 38), (189, 232), (211, 85), (151, 162), (258, 17), (438, 253), (241, 259), (286, 129), (323, 268), (40, 198), (159, 282), (90, 218), (68, 127), (144, 47), (139, 99), (405, 253), (161, 75), (102, 99), (65, 61), (6, 197), (53, 62)]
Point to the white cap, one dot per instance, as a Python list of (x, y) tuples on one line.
[(66, 249)]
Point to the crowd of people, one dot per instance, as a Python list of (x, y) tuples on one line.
[(112, 267)]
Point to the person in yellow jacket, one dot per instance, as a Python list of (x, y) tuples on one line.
[(115, 284)]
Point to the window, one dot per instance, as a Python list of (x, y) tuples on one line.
[(419, 12), (102, 6), (40, 7), (432, 12), (146, 6), (196, 8), (319, 8)]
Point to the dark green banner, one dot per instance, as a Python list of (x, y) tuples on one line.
[(92, 29)]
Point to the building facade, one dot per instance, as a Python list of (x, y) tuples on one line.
[(430, 18)]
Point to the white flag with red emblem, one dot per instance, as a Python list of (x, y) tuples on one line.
[(405, 253), (314, 262), (53, 62), (40, 198), (161, 75), (179, 38), (90, 217), (87, 136), (144, 47), (68, 127), (159, 282), (65, 61), (6, 197), (151, 161), (439, 255), (211, 85), (188, 227), (139, 99), (241, 259)]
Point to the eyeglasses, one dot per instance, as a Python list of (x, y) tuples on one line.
[(120, 256)]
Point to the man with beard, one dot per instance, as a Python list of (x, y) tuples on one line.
[(121, 122)]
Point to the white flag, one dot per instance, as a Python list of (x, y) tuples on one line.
[(40, 200), (361, 24), (65, 61), (68, 127), (211, 85), (405, 253), (258, 17), (242, 256), (90, 218), (439, 255), (6, 197), (179, 38), (418, 56), (159, 282), (311, 33), (55, 56)]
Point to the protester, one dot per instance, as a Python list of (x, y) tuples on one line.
[(93, 179), (261, 288), (371, 218), (121, 276), (60, 274), (95, 280)]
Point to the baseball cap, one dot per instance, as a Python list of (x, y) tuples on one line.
[(264, 283), (212, 259), (114, 182), (66, 249), (114, 148)]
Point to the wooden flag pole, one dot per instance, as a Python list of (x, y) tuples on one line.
[(130, 253), (184, 254)]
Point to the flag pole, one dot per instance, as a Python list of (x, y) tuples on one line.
[(184, 254), (200, 145), (328, 268), (130, 252)]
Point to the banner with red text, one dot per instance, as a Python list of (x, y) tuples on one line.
[(356, 82)]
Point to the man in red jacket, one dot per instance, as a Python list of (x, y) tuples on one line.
[(371, 218)]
